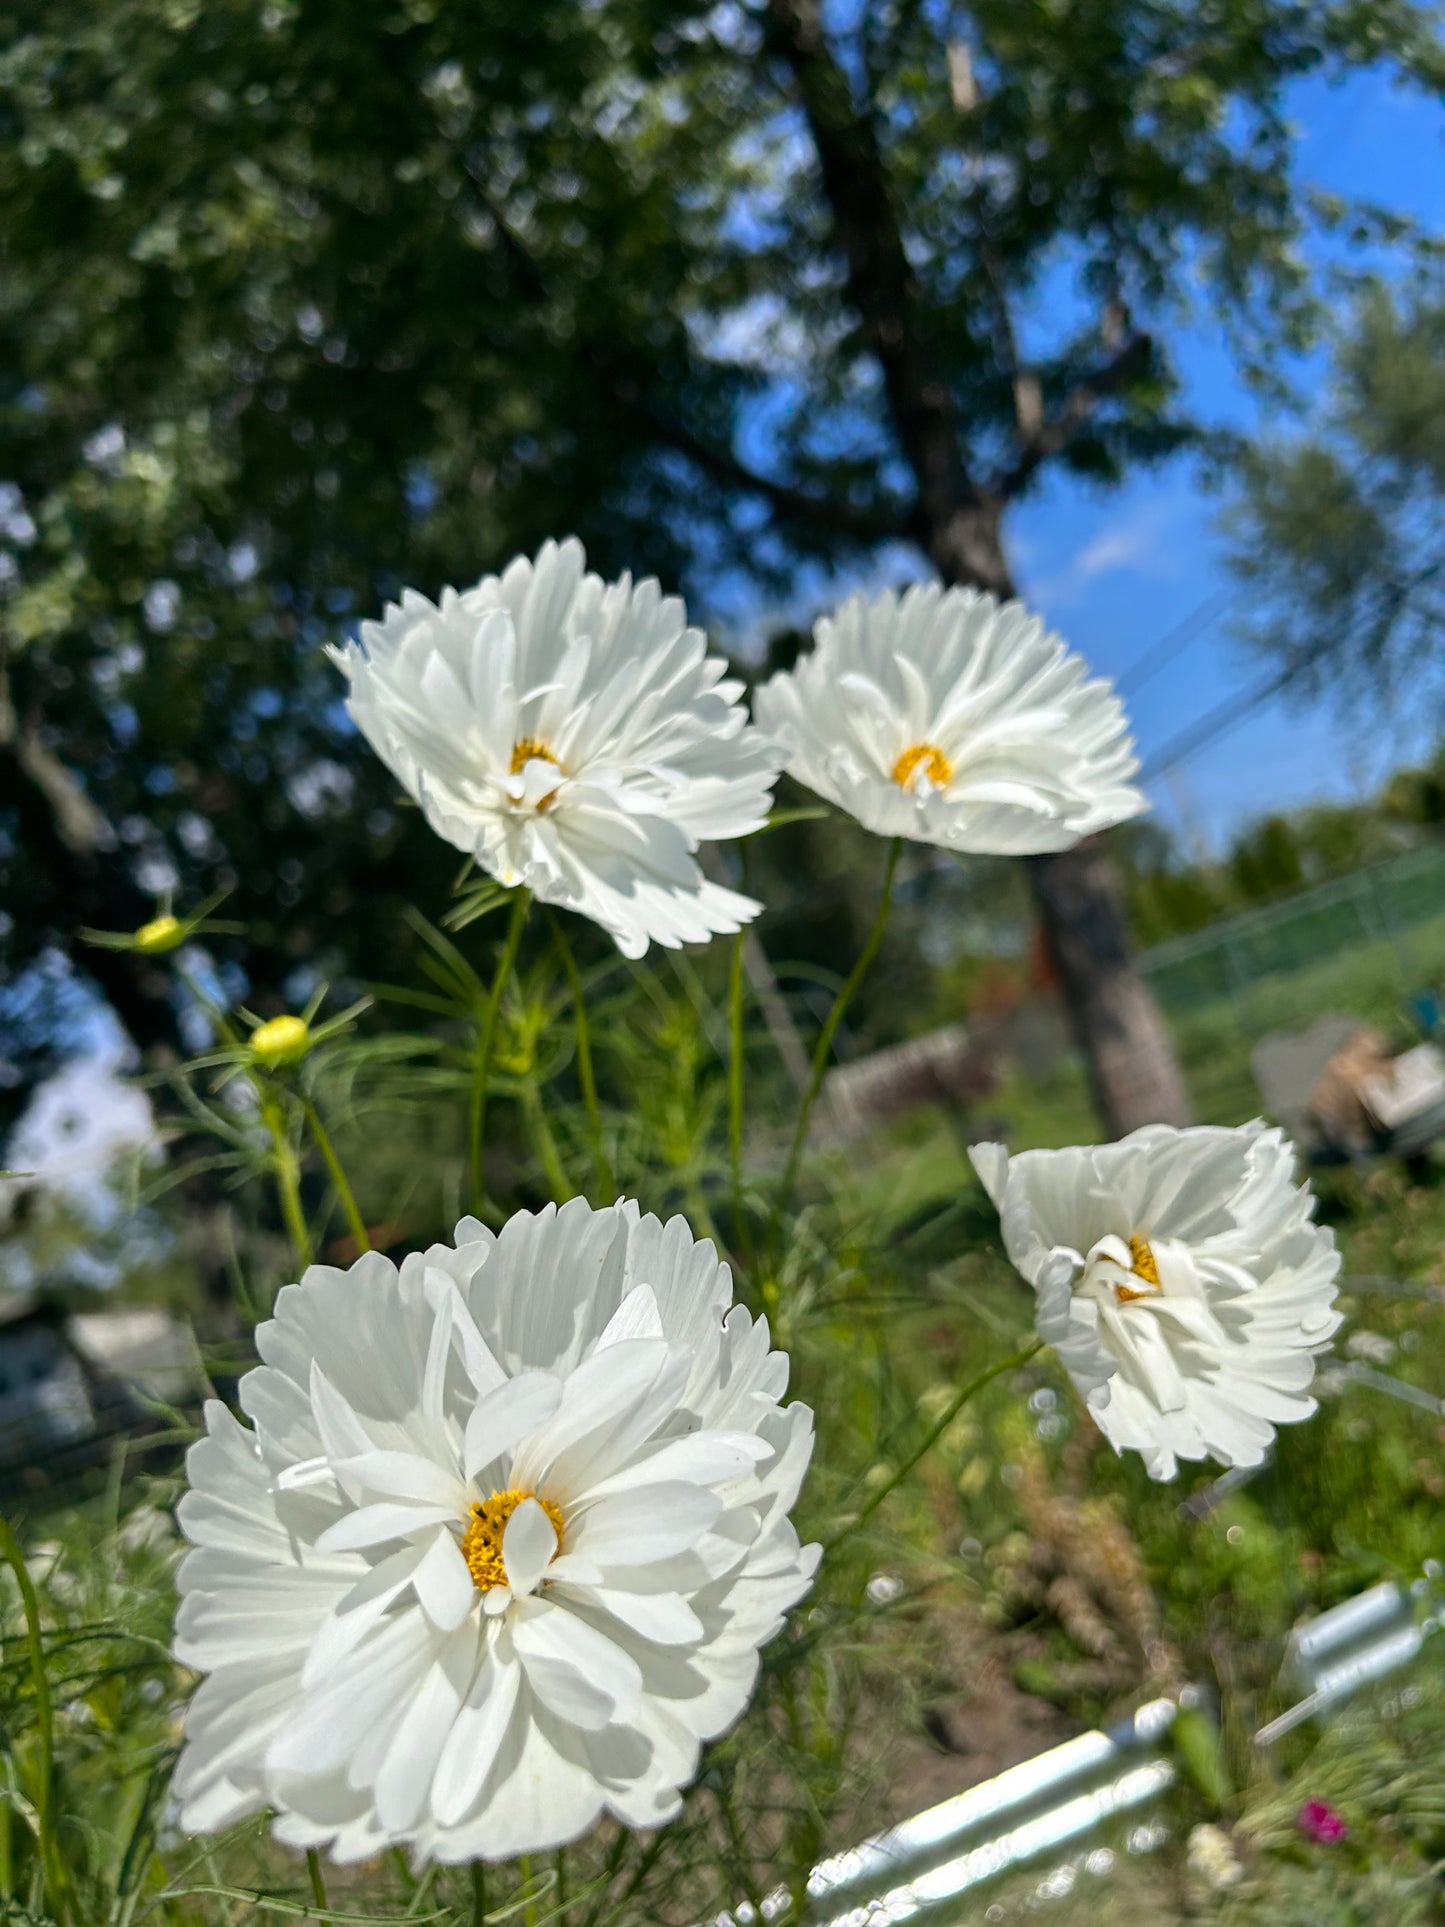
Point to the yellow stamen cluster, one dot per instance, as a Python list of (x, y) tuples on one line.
[(529, 749), (482, 1542), (927, 757), (1144, 1265)]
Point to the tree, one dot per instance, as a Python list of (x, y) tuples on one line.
[(1340, 533), (308, 299)]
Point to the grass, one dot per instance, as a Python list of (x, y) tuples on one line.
[(1035, 1584)]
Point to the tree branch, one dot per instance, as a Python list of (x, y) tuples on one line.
[(952, 518), (1131, 361), (794, 504)]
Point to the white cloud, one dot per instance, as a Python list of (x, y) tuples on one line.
[(1137, 541)]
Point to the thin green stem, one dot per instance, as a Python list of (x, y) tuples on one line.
[(742, 1230), (338, 1177), (586, 1075), (560, 1889), (288, 1177), (737, 1847), (521, 903), (639, 1873), (616, 1854), (52, 1868), (479, 1893), (543, 1142), (529, 1897), (931, 1438), (824, 1048), (314, 1875)]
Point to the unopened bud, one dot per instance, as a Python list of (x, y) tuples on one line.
[(158, 936), (280, 1041)]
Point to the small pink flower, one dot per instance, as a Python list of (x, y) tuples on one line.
[(1319, 1822)]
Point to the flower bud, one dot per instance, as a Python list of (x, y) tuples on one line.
[(280, 1042), (161, 934)]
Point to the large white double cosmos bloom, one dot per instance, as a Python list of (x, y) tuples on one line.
[(501, 1548), (950, 718), (1180, 1278), (573, 736)]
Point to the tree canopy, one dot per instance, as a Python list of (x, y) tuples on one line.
[(1340, 532), (306, 300)]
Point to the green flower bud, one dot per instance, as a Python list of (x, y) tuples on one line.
[(161, 934), (280, 1042)]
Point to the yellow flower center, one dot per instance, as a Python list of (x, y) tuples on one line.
[(529, 749), (1144, 1266), (930, 759), (281, 1041), (159, 935), (482, 1542)]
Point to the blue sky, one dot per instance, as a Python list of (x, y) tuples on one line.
[(1114, 572)]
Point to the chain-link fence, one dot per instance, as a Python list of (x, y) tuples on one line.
[(1395, 908)]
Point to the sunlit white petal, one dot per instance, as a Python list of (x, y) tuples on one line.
[(572, 736), (501, 1549), (1181, 1279), (950, 718)]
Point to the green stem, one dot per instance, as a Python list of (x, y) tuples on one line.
[(338, 1177), (616, 1854), (742, 1230), (543, 1142), (737, 1846), (314, 1875), (825, 1040), (529, 1897), (51, 1865), (931, 1438), (639, 1873), (586, 1076), (520, 905), (288, 1177), (479, 1893)]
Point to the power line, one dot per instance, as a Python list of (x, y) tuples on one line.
[(1218, 722), (1175, 641)]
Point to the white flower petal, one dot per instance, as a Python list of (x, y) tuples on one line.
[(519, 1406), (635, 1528), (664, 1617), (636, 1317), (700, 1458), (476, 1736), (950, 718), (576, 1672), (1181, 1281), (356, 1679), (630, 743), (405, 1475), (528, 1545), (443, 1583), (334, 1718), (374, 1525)]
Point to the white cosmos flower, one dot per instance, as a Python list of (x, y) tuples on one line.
[(1180, 1278), (572, 735), (953, 719), (501, 1548)]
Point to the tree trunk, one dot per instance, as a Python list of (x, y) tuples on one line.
[(1128, 1055), (1131, 1066), (1134, 1076)]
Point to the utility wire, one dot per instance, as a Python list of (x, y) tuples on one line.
[(1175, 641), (1217, 722)]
